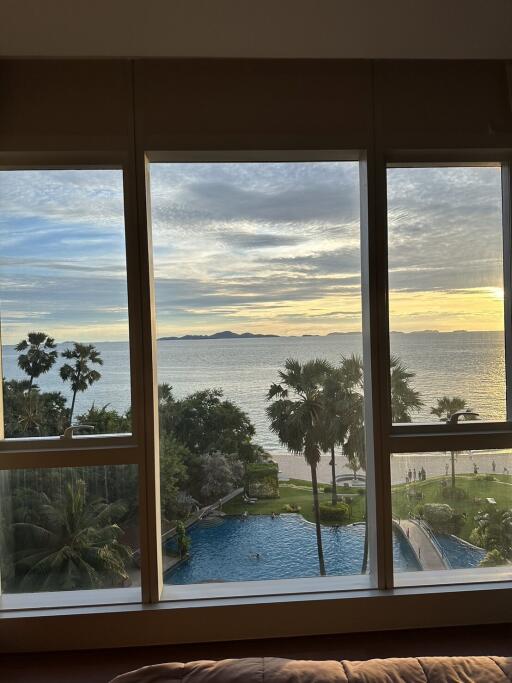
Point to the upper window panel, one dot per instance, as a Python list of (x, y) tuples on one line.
[(446, 294), (63, 302)]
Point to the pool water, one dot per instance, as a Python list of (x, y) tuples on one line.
[(459, 554), (261, 547)]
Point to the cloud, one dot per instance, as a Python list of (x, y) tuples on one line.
[(270, 246)]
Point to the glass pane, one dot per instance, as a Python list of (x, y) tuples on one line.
[(63, 302), (68, 529), (454, 511), (257, 269), (446, 293)]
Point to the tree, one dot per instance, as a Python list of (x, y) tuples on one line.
[(207, 423), (105, 420), (68, 543), (444, 409), (32, 412), (182, 539), (173, 476), (40, 355), (404, 398), (295, 415), (493, 531), (79, 374), (220, 474), (342, 405)]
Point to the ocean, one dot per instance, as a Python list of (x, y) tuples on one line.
[(467, 364)]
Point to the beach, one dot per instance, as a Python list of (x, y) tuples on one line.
[(295, 467)]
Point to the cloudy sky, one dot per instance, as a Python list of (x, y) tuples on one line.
[(248, 247)]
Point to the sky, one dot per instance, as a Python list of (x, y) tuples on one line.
[(261, 247)]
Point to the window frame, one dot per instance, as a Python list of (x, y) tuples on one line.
[(96, 450), (418, 437), (424, 438), (96, 624), (289, 586)]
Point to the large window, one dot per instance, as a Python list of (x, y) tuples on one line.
[(260, 371), (218, 385)]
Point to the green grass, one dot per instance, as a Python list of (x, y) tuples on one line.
[(289, 493), (475, 487)]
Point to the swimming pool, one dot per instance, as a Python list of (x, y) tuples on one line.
[(261, 547), (460, 555)]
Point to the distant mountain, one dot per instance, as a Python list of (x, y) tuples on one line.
[(217, 335)]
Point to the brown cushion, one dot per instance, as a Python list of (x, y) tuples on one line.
[(276, 670)]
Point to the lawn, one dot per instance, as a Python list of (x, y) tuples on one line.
[(475, 489), (295, 491)]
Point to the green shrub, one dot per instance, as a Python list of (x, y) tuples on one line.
[(493, 559), (261, 480), (450, 493), (334, 513), (291, 507), (442, 518), (328, 489)]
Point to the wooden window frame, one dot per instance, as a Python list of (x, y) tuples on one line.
[(186, 614)]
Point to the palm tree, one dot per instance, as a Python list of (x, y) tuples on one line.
[(296, 417), (444, 409), (341, 400), (404, 398), (40, 355), (80, 375), (68, 543)]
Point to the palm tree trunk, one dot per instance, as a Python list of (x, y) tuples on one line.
[(453, 469), (72, 409), (316, 507), (334, 498)]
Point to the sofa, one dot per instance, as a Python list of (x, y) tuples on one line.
[(276, 670)]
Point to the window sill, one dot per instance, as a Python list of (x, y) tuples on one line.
[(78, 598), (222, 618)]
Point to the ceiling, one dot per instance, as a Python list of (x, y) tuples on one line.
[(479, 29)]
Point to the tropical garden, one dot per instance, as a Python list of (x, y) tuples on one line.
[(68, 528)]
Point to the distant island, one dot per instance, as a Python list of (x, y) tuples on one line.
[(217, 335), (227, 334)]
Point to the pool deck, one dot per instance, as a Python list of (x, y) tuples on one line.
[(426, 552)]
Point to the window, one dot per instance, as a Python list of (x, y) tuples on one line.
[(448, 269), (63, 298), (260, 371), (69, 465), (453, 510), (69, 529), (298, 454), (446, 301)]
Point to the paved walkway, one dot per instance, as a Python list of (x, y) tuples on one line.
[(426, 552)]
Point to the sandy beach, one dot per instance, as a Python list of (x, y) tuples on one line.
[(294, 466)]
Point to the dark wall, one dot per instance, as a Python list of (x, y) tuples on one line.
[(92, 105)]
